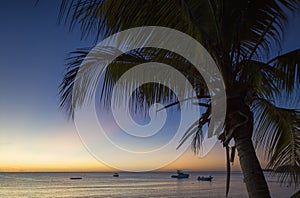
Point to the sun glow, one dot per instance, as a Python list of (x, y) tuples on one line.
[(62, 150)]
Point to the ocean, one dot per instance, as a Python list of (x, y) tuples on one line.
[(150, 184)]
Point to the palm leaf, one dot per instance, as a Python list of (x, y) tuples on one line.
[(105, 17), (289, 65), (278, 135), (66, 87), (261, 79), (89, 75)]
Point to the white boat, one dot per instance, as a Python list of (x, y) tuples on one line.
[(180, 175)]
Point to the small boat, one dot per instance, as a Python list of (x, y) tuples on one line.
[(115, 175), (205, 178), (180, 175), (75, 177)]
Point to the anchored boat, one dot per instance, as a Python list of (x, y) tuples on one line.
[(205, 178), (115, 175), (180, 175), (75, 178)]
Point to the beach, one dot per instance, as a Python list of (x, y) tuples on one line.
[(150, 184)]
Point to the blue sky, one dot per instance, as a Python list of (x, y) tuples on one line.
[(33, 51)]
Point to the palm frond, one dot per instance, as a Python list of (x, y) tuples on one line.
[(261, 79), (289, 65), (83, 72), (278, 135), (88, 76), (66, 86), (262, 25), (196, 131), (106, 17)]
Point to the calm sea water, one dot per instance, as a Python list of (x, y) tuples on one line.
[(155, 184)]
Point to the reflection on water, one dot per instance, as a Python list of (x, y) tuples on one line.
[(155, 184)]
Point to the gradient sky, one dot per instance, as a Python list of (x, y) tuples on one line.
[(34, 134)]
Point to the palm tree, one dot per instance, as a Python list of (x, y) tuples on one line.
[(241, 36)]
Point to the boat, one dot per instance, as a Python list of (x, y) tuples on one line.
[(180, 175), (115, 175), (205, 178), (75, 177)]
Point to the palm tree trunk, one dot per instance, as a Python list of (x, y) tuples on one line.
[(253, 176)]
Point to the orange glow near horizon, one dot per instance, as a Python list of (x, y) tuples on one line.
[(72, 156), (61, 150), (187, 162)]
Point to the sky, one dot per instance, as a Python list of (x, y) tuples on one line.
[(35, 135)]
